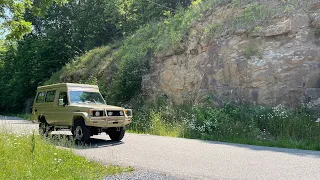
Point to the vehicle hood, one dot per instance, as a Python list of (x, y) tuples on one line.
[(100, 106)]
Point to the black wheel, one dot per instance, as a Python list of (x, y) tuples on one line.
[(44, 129), (116, 134), (81, 132), (72, 130)]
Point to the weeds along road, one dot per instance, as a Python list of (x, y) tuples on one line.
[(196, 159)]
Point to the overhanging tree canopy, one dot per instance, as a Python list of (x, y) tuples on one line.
[(12, 15)]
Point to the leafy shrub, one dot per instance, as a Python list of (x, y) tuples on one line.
[(85, 68), (233, 123)]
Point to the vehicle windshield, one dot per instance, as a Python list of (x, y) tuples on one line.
[(81, 97)]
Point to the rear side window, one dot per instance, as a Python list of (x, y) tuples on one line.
[(40, 97), (50, 96)]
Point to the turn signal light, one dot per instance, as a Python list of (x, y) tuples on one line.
[(90, 112)]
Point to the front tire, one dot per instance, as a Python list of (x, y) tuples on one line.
[(116, 134), (81, 132)]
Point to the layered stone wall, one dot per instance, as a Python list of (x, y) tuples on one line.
[(278, 64)]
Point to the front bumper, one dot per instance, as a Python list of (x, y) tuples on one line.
[(105, 122)]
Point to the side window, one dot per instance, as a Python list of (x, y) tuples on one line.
[(50, 96), (63, 97), (40, 97)]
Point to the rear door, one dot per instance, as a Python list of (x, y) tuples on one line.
[(49, 106), (38, 108)]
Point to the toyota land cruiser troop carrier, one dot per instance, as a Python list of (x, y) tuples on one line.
[(80, 108)]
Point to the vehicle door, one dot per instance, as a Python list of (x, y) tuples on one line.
[(38, 107), (63, 112), (49, 106)]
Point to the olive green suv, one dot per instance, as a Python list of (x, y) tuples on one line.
[(79, 108)]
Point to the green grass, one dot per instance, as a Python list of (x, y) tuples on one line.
[(158, 127), (31, 157), (25, 116), (256, 125), (86, 68)]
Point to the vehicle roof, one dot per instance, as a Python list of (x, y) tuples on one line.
[(69, 86)]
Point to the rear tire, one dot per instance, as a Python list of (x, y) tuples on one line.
[(44, 129), (81, 132), (116, 135)]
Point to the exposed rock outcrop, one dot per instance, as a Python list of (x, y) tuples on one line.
[(278, 65)]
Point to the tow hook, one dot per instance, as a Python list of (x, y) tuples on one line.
[(118, 129)]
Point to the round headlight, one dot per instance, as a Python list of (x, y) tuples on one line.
[(97, 113)]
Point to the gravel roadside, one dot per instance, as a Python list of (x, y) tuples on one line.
[(142, 175)]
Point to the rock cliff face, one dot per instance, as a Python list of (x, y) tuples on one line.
[(275, 64)]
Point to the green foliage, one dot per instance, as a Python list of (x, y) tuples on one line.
[(133, 58), (91, 80), (31, 157), (159, 127), (28, 65), (137, 51), (12, 14), (85, 68), (25, 116), (133, 14), (64, 31), (256, 125), (232, 123)]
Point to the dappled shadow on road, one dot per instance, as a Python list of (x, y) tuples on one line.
[(67, 141), (296, 152)]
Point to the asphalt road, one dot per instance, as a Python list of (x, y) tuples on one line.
[(176, 158)]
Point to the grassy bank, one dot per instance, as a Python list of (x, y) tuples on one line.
[(254, 125), (31, 157)]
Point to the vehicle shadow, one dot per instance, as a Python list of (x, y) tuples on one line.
[(64, 140)]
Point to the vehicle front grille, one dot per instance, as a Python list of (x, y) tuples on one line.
[(115, 113)]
